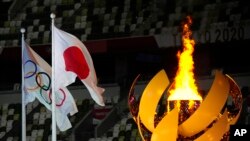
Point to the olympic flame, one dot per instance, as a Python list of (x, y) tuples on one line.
[(184, 87), (187, 115)]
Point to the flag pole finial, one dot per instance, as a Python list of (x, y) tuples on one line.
[(52, 16), (22, 30)]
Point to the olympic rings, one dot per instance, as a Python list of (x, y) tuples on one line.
[(34, 64), (42, 87), (62, 99), (45, 98), (59, 100), (40, 80)]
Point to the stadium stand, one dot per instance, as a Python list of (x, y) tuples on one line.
[(126, 37), (91, 20)]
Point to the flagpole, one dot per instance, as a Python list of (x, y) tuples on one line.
[(53, 110), (23, 94)]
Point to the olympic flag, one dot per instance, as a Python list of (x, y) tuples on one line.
[(37, 84), (72, 60)]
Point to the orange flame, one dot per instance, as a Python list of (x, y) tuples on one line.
[(184, 87)]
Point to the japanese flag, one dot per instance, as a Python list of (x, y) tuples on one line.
[(72, 60)]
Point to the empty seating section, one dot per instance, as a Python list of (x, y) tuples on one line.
[(98, 19), (38, 121), (205, 14), (123, 130), (10, 117), (88, 20)]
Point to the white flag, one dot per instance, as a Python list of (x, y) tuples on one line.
[(37, 84), (72, 60)]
